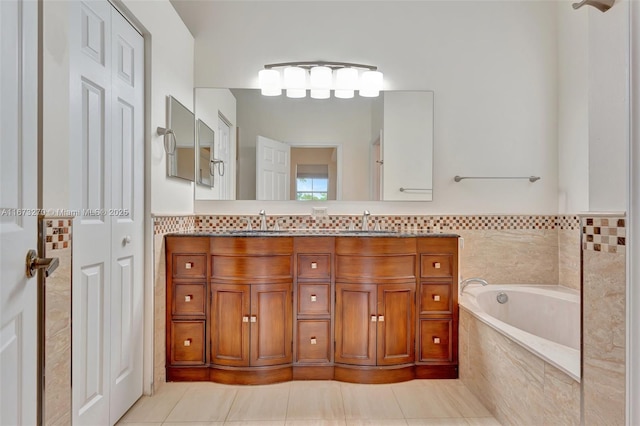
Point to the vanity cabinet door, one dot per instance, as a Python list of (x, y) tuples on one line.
[(230, 324), (396, 323), (271, 324), (356, 320)]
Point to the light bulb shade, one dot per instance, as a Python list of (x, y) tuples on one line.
[(347, 79), (343, 94), (295, 78), (321, 78), (269, 81), (296, 93), (320, 93), (370, 84)]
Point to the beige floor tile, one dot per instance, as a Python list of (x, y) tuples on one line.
[(438, 422), (139, 424), (482, 421), (315, 400), (256, 423), (260, 403), (192, 424), (377, 422), (203, 403), (461, 397), (421, 399), (157, 407), (316, 422), (369, 402)]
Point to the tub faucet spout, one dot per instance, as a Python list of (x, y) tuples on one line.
[(468, 281)]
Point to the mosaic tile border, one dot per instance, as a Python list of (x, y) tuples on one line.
[(211, 223), (605, 234), (58, 233), (168, 224)]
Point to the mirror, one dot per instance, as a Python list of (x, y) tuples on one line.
[(181, 149), (205, 161), (334, 149)]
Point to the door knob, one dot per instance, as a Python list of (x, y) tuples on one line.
[(126, 240), (33, 263)]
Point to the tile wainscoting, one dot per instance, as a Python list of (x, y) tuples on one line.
[(603, 319), (513, 249)]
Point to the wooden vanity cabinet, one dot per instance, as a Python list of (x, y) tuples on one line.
[(253, 310), (375, 309), (437, 335)]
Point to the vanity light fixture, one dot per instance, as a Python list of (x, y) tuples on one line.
[(320, 77)]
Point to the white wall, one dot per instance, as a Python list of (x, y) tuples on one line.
[(608, 107), (573, 109), (209, 103), (344, 122), (492, 66), (169, 50)]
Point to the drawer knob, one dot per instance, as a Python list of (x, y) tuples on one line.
[(436, 265), (245, 318), (188, 265), (314, 298), (381, 318), (188, 298), (436, 297), (436, 340), (254, 318), (374, 318), (314, 341), (314, 265), (187, 342)]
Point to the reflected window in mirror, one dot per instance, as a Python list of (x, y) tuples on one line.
[(312, 182)]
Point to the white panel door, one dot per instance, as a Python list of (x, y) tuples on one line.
[(106, 185), (273, 170), (18, 220), (127, 212), (90, 189)]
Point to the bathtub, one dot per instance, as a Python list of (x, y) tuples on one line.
[(544, 319)]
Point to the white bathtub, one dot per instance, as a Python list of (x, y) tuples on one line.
[(545, 319)]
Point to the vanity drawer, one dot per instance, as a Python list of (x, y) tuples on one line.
[(251, 268), (435, 298), (435, 340), (359, 268), (188, 299), (187, 342), (314, 266), (436, 265), (189, 266), (314, 341), (314, 299)]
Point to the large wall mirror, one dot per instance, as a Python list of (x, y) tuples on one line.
[(331, 149), (181, 149)]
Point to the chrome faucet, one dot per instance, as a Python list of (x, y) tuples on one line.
[(365, 220), (468, 281), (263, 220)]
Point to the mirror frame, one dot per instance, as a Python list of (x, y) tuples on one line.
[(172, 158), (210, 168)]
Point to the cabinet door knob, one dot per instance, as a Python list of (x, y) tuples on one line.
[(374, 318), (436, 297), (436, 265), (254, 318), (314, 265), (245, 318), (188, 298), (436, 340), (187, 342), (188, 265), (314, 298), (381, 318), (314, 341)]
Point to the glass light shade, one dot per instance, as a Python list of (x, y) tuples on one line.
[(321, 78), (370, 84), (269, 81), (343, 94), (346, 79), (295, 78), (320, 93), (296, 93)]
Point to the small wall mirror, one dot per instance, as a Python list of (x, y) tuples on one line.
[(204, 160), (181, 132)]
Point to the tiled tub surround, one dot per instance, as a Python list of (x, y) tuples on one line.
[(57, 391), (603, 319), (501, 248)]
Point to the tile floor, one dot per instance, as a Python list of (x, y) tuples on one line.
[(309, 403)]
